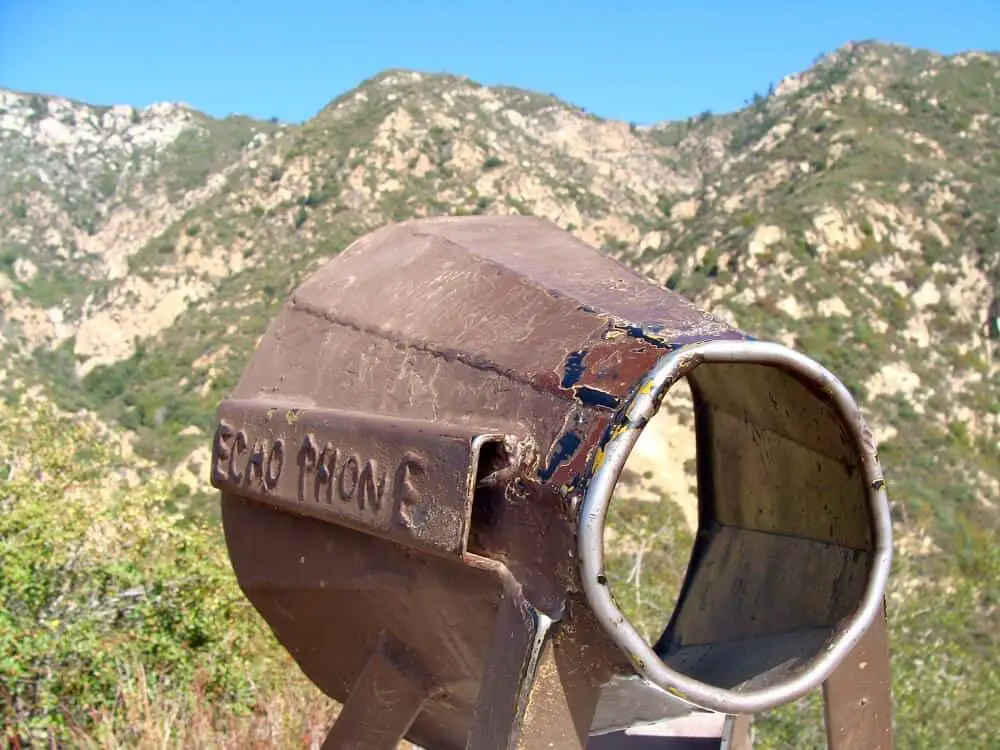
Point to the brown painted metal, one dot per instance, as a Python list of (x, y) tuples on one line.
[(858, 696), (402, 463), (353, 469), (739, 733), (383, 703)]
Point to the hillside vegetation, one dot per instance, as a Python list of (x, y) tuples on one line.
[(119, 625), (851, 211)]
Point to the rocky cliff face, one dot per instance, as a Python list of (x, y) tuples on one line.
[(82, 190), (850, 212)]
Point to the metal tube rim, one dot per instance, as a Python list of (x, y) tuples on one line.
[(607, 466)]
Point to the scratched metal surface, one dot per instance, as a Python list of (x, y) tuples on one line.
[(348, 468), (450, 320), (461, 375)]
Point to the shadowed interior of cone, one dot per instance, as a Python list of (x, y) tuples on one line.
[(785, 541)]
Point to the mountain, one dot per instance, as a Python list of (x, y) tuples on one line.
[(851, 211)]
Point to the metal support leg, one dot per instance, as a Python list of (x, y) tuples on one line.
[(387, 697), (737, 733), (541, 686), (562, 701), (858, 695)]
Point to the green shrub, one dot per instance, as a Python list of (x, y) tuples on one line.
[(647, 560), (100, 585)]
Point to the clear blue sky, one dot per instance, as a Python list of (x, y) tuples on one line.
[(638, 61)]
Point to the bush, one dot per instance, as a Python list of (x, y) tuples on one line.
[(647, 562), (102, 591)]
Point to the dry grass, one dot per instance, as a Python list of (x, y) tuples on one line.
[(296, 715)]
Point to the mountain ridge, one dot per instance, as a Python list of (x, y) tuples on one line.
[(851, 212), (820, 187)]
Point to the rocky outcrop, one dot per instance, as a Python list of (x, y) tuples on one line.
[(836, 214)]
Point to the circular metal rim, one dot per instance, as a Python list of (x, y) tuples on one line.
[(606, 466)]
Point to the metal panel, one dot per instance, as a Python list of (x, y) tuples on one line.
[(387, 515), (858, 696), (401, 479)]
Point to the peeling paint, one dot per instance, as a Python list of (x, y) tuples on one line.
[(596, 397), (574, 369), (589, 395), (563, 450)]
